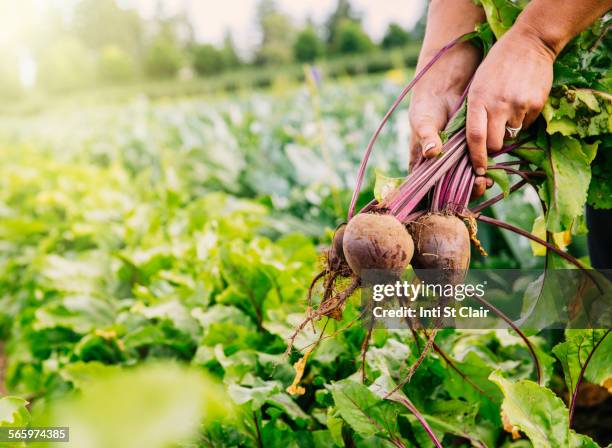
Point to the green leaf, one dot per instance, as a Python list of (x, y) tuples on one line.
[(257, 394), (13, 412), (568, 175), (385, 185), (501, 14), (455, 417), (82, 373), (539, 413), (600, 189), (581, 441), (585, 61), (334, 424), (457, 123), (363, 410), (80, 314), (501, 178), (574, 352), (155, 405), (485, 393), (578, 112)]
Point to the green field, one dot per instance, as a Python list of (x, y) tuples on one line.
[(155, 257)]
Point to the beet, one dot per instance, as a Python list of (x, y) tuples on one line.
[(377, 242), (336, 252), (442, 244)]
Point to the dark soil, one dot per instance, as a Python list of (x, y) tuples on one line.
[(596, 421)]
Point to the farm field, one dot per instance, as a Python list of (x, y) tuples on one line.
[(155, 257)]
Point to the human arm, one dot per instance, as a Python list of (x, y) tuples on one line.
[(513, 82), (438, 92)]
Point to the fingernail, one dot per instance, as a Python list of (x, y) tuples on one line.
[(427, 147), (480, 171)]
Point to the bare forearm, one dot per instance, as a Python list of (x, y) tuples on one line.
[(556, 22), (447, 20), (436, 95)]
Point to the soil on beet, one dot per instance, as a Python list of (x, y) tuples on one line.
[(377, 242)]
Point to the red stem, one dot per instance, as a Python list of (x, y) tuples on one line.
[(424, 172), (581, 377), (523, 173), (421, 420), (526, 234), (512, 147), (404, 92), (414, 191), (489, 202), (522, 335), (549, 246)]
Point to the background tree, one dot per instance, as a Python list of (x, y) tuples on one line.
[(396, 36), (163, 58), (418, 32), (229, 53), (66, 64), (308, 46), (276, 31), (10, 82), (351, 38), (115, 65), (343, 11), (100, 23), (207, 59)]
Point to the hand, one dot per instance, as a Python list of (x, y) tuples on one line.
[(435, 97), (509, 89)]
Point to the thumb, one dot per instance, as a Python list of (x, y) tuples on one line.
[(429, 140)]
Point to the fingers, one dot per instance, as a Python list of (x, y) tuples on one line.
[(486, 131), (496, 127), (496, 130), (427, 119), (516, 120), (476, 129), (530, 117), (480, 185), (429, 140)]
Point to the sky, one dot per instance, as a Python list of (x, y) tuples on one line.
[(211, 18)]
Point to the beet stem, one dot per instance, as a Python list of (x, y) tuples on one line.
[(555, 249), (526, 234), (461, 100), (495, 199), (364, 350), (414, 191), (453, 366), (509, 148), (425, 171), (525, 174), (581, 377), (519, 332), (398, 100), (421, 419), (446, 181)]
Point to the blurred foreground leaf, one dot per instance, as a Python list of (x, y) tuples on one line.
[(153, 406)]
